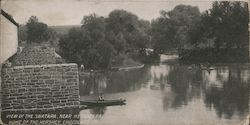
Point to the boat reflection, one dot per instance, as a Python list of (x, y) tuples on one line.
[(98, 111)]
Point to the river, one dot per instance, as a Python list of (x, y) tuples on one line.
[(169, 94)]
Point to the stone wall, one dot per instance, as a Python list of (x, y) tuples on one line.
[(40, 87), (34, 55)]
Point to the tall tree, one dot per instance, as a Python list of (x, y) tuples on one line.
[(171, 30), (100, 41), (132, 32), (35, 30), (38, 32), (163, 35), (87, 45), (229, 23), (221, 33)]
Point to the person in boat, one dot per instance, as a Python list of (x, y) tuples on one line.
[(101, 98)]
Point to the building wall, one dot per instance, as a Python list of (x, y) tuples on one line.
[(8, 39), (39, 87)]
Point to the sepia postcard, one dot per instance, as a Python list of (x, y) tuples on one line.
[(124, 62)]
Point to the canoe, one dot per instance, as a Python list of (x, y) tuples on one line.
[(103, 103)]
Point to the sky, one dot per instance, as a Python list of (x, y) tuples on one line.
[(71, 12)]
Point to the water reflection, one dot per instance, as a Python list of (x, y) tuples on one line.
[(113, 82), (97, 112), (185, 85), (173, 90), (232, 95), (158, 74)]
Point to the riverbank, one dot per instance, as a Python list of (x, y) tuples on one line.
[(127, 67), (117, 68)]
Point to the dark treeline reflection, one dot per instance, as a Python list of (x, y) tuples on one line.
[(223, 89), (185, 84), (233, 94), (113, 82)]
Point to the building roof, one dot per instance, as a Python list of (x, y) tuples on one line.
[(9, 17)]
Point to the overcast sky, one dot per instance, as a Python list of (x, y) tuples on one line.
[(71, 12)]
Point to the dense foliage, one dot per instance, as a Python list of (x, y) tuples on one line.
[(221, 30), (123, 39), (171, 30), (103, 42), (126, 31), (221, 35), (36, 32), (226, 24)]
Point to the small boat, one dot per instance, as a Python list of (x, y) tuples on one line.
[(104, 102)]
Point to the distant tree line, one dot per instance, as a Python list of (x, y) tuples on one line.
[(215, 35)]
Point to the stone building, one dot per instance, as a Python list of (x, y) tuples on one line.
[(34, 80), (8, 40)]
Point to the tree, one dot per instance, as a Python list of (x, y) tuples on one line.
[(106, 51), (118, 41), (70, 45), (229, 24), (38, 32), (88, 45), (131, 32), (171, 30), (162, 35), (94, 28), (221, 33), (101, 41), (35, 30)]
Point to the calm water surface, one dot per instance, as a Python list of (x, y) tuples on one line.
[(169, 94)]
